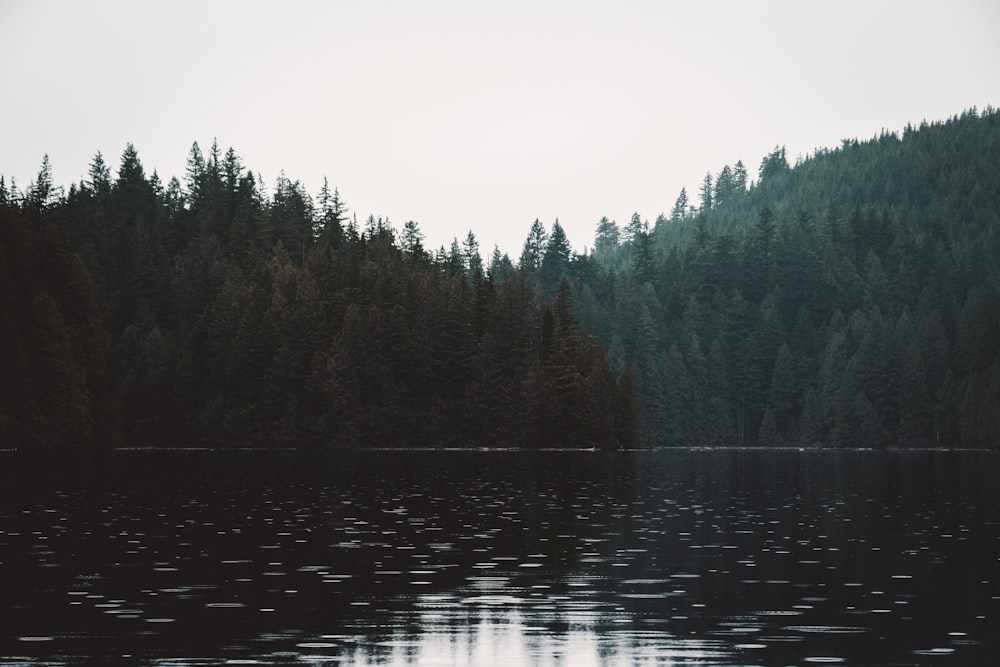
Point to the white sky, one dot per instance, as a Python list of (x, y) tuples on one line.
[(481, 115)]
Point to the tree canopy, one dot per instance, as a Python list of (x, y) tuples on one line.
[(216, 313), (849, 299)]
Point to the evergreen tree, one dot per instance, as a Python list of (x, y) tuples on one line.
[(739, 177), (555, 259), (724, 186), (413, 239), (470, 252), (680, 209), (914, 399), (644, 263), (501, 266), (332, 215), (705, 194), (99, 177), (782, 398), (230, 310), (768, 435), (626, 411), (534, 247), (42, 192), (607, 236), (774, 164), (633, 229), (195, 174)]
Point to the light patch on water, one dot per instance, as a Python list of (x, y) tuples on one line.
[(934, 651), (826, 629)]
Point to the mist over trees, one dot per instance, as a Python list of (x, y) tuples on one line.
[(849, 299)]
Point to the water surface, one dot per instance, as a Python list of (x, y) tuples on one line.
[(730, 557)]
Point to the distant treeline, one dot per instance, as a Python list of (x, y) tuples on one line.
[(850, 299), (212, 313)]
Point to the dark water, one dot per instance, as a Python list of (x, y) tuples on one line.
[(502, 558)]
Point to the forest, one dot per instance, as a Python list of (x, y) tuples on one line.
[(142, 314), (851, 299)]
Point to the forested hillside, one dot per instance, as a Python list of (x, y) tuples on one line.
[(144, 313), (852, 299)]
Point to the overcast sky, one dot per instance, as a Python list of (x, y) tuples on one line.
[(481, 115)]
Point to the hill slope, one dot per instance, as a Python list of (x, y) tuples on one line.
[(850, 299)]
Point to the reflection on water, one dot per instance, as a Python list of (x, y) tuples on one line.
[(503, 558), (501, 637)]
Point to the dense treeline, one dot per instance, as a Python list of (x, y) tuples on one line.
[(852, 299), (55, 388), (211, 312)]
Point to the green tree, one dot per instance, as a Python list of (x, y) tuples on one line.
[(555, 260), (470, 254), (534, 247), (767, 434), (607, 236), (705, 194), (774, 164), (413, 239), (99, 177), (633, 229), (724, 186), (626, 411), (739, 177), (914, 399), (764, 233), (680, 209), (42, 192)]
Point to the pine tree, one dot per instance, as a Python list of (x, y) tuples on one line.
[(607, 236), (332, 214), (413, 239), (626, 411), (764, 233), (724, 186), (534, 247), (680, 209), (644, 262), (555, 260), (768, 435), (99, 177), (773, 165), (739, 177), (633, 229), (705, 194), (782, 397), (914, 399), (195, 173), (470, 253), (42, 192)]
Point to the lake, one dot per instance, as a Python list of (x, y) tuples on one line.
[(677, 557)]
